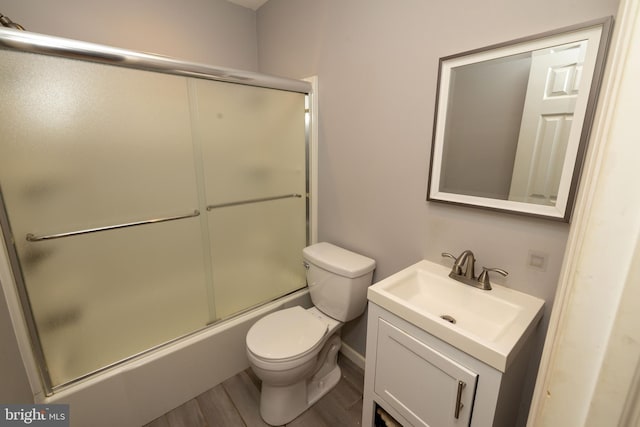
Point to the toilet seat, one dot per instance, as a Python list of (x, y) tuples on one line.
[(286, 335)]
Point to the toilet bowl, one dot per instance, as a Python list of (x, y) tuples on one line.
[(294, 351), (286, 367)]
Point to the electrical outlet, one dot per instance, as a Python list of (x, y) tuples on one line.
[(538, 260)]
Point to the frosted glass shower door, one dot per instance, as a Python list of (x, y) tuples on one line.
[(86, 146), (253, 149)]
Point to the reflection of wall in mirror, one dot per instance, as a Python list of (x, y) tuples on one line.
[(485, 105)]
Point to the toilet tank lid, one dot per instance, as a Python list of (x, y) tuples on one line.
[(338, 260)]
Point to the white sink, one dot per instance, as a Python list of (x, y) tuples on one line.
[(489, 325)]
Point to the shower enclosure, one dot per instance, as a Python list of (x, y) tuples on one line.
[(142, 198)]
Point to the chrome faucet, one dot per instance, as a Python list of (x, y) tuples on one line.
[(469, 259), (466, 262)]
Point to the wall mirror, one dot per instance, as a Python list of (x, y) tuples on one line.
[(512, 121)]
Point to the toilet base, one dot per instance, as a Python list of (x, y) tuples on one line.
[(281, 404), (321, 386)]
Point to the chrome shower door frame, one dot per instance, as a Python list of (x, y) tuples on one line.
[(27, 42)]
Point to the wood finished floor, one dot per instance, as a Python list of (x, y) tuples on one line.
[(235, 402)]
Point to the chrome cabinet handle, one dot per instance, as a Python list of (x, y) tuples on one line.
[(459, 405)]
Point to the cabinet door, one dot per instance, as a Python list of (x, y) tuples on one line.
[(423, 385)]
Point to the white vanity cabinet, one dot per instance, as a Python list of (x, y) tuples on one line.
[(421, 380)]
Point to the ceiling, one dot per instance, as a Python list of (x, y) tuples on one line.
[(250, 4)]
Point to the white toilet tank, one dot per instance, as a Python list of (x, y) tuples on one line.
[(338, 280)]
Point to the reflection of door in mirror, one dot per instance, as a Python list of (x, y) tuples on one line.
[(546, 123)]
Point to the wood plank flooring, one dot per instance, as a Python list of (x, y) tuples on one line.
[(235, 403)]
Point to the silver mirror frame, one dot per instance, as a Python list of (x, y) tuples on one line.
[(564, 210)]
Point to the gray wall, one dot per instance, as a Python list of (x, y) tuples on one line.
[(484, 112), (208, 31), (377, 62)]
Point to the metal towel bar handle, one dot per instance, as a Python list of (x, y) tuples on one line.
[(34, 238), (245, 202)]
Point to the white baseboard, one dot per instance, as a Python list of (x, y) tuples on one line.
[(352, 355)]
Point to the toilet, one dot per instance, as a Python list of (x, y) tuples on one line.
[(294, 351)]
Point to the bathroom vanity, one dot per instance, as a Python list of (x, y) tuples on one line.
[(441, 353)]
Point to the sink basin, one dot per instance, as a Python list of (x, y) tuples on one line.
[(491, 326)]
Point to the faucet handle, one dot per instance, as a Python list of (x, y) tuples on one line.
[(484, 276), (457, 269), (448, 255)]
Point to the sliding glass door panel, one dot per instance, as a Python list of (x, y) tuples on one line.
[(257, 252), (252, 141), (253, 152), (100, 298), (87, 145), (142, 206)]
